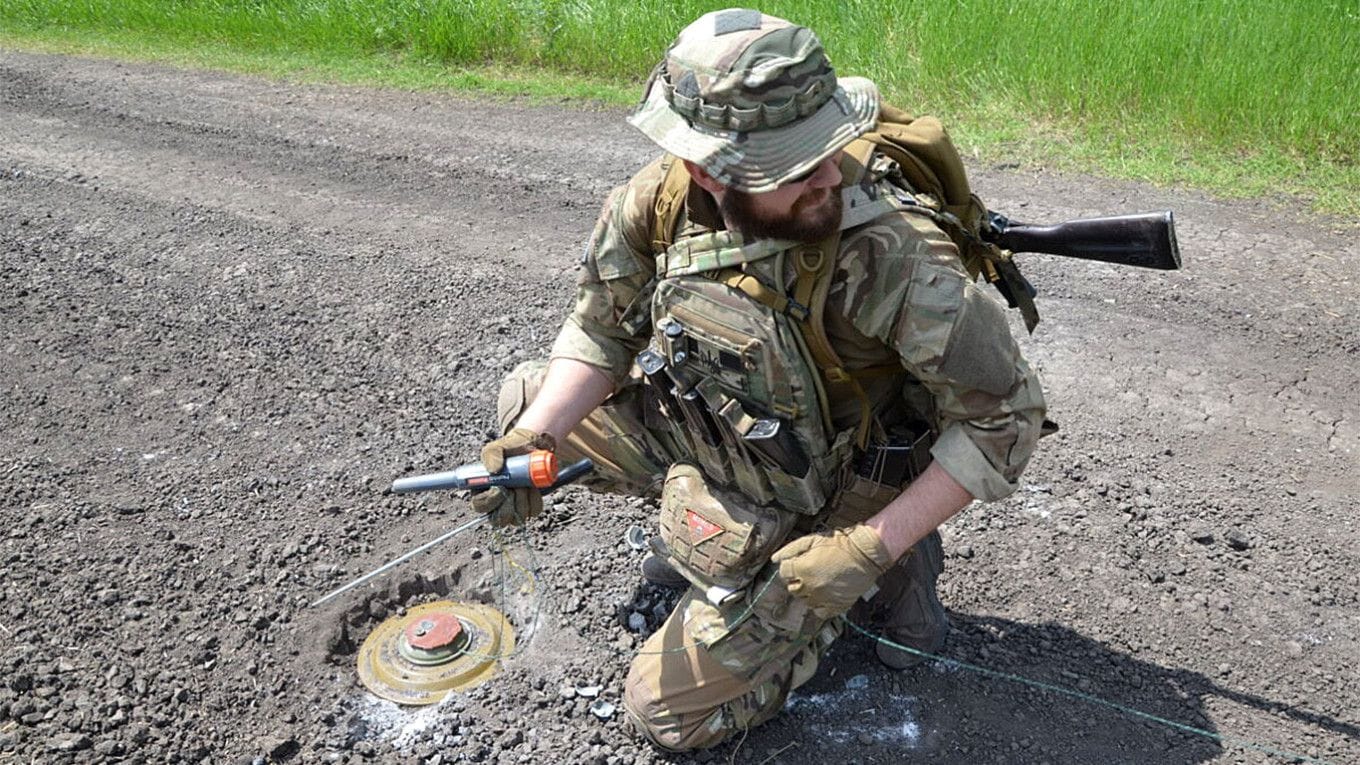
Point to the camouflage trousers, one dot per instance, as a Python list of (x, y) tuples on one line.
[(711, 670)]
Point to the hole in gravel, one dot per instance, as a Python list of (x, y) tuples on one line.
[(404, 592)]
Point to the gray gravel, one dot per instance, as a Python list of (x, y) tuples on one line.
[(233, 310)]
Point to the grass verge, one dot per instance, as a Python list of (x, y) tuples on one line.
[(1034, 113)]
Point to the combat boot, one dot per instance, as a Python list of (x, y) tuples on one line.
[(906, 609), (657, 569)]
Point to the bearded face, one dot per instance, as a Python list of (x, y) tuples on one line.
[(811, 217)]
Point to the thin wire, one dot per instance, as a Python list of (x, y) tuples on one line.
[(501, 560), (531, 575), (388, 566), (1011, 677)]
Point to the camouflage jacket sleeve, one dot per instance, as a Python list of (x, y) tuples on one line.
[(611, 320), (905, 286)]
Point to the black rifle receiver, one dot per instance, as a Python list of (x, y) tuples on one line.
[(1146, 240)]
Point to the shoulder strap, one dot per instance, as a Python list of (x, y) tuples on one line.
[(758, 291), (815, 267), (930, 164), (670, 201), (855, 160)]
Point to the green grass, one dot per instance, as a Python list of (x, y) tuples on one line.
[(1240, 97)]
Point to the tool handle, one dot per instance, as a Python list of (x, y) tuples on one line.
[(570, 473), (452, 479)]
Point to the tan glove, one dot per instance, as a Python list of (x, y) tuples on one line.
[(517, 441), (508, 507), (831, 570)]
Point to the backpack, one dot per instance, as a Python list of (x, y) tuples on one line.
[(934, 172)]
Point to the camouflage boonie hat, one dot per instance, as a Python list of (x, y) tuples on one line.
[(753, 100)]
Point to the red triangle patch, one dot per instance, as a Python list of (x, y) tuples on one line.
[(700, 528)]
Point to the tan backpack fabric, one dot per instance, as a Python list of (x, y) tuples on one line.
[(934, 172)]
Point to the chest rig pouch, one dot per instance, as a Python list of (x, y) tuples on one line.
[(739, 381), (734, 377)]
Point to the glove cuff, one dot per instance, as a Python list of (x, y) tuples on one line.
[(545, 441), (869, 544), (534, 439)]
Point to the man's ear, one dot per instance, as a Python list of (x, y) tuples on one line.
[(706, 182)]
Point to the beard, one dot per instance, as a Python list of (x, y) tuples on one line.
[(812, 218)]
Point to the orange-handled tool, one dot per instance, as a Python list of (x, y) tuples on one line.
[(537, 469)]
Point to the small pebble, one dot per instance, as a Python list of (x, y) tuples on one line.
[(74, 743)]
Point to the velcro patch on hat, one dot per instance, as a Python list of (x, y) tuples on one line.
[(688, 85), (701, 529), (735, 20)]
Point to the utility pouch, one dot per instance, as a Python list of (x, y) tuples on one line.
[(769, 438), (733, 424), (655, 415), (899, 459), (880, 474), (715, 538), (660, 410), (736, 362), (677, 409), (769, 463), (859, 499)]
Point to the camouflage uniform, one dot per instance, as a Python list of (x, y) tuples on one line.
[(900, 295), (900, 298)]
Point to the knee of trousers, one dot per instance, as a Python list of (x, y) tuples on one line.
[(680, 698), (628, 459), (653, 720), (648, 721)]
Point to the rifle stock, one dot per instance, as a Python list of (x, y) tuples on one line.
[(1147, 240)]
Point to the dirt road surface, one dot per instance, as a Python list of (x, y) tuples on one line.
[(233, 310)]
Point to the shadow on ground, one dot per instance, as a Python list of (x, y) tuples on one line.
[(857, 711)]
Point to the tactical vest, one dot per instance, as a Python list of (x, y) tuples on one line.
[(927, 165), (743, 368), (729, 357)]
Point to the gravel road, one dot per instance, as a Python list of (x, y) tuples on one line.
[(233, 310)]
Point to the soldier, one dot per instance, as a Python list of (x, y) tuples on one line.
[(805, 373)]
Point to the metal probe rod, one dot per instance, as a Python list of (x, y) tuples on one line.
[(397, 561)]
